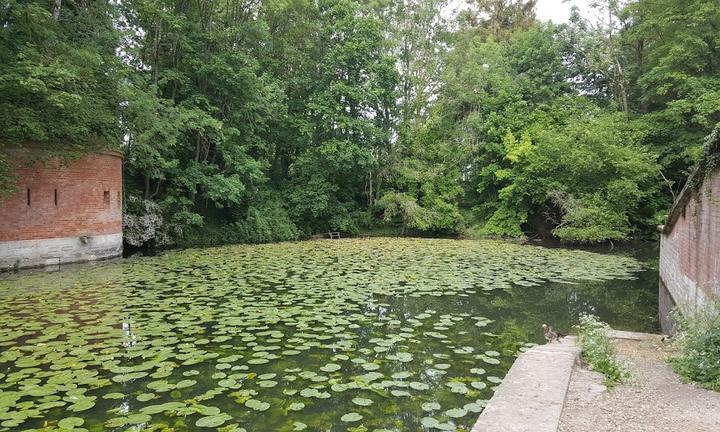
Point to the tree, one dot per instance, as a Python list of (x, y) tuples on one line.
[(58, 74), (674, 75), (351, 118)]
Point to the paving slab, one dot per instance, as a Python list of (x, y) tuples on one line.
[(532, 394)]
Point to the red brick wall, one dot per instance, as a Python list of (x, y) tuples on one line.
[(690, 252), (82, 206)]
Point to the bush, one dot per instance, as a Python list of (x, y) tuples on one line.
[(264, 221), (143, 223), (698, 344), (598, 350)]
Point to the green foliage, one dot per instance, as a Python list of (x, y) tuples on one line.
[(698, 342), (356, 114), (143, 223), (58, 76), (598, 351)]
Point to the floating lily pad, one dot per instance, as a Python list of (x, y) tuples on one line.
[(212, 421), (351, 417), (456, 412), (362, 401), (330, 367), (70, 422), (296, 406), (257, 405)]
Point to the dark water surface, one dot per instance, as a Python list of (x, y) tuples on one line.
[(350, 335)]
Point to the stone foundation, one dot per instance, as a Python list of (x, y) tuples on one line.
[(55, 251)]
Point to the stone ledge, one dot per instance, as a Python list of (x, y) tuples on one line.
[(57, 251), (532, 395)]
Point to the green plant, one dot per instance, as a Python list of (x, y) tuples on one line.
[(599, 351), (698, 344)]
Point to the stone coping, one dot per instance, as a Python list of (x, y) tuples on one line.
[(532, 395)]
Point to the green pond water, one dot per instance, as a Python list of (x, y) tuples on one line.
[(349, 335)]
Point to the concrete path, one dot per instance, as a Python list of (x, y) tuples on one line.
[(532, 395)]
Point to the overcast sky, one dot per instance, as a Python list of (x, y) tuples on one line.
[(558, 11)]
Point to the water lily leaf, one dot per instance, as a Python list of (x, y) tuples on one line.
[(70, 422), (330, 367), (456, 412), (351, 417), (257, 405), (362, 401), (212, 421), (418, 385), (429, 422), (296, 406)]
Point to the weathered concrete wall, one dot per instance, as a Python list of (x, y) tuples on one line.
[(690, 244), (532, 394), (62, 211)]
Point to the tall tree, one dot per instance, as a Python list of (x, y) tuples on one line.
[(352, 116), (58, 73)]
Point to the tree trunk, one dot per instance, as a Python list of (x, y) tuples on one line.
[(57, 4)]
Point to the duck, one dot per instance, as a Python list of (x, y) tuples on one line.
[(550, 334)]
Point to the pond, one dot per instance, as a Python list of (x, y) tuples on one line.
[(342, 335)]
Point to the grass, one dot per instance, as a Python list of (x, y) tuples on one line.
[(598, 351), (697, 341)]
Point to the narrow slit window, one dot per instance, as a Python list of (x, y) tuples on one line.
[(55, 197), (106, 198), (119, 199), (28, 196)]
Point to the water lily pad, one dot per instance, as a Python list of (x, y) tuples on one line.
[(212, 421), (351, 417), (296, 406), (478, 385), (456, 412), (330, 367), (418, 385), (430, 406), (70, 422), (362, 401), (257, 405), (429, 422)]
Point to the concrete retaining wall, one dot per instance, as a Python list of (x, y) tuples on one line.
[(56, 251), (532, 394)]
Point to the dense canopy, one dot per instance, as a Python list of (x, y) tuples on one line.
[(254, 121)]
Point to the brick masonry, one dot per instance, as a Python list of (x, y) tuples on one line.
[(690, 245), (62, 211)]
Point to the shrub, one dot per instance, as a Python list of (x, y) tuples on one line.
[(143, 223), (698, 343), (598, 351)]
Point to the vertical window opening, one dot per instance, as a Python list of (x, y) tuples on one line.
[(55, 197), (28, 196), (118, 198), (106, 198)]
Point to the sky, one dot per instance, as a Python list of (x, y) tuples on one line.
[(558, 11)]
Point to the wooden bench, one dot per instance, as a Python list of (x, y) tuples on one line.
[(334, 235)]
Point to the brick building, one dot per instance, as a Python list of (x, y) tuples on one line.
[(690, 239), (62, 211)]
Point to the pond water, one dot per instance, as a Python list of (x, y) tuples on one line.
[(349, 335)]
